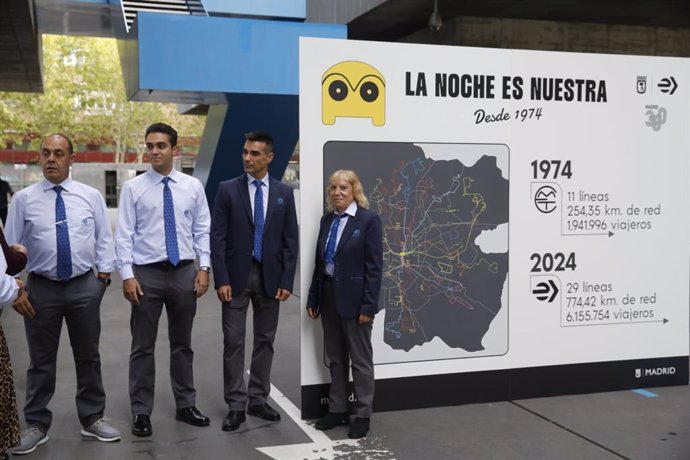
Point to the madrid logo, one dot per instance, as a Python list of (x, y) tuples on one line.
[(656, 116), (654, 371), (353, 89)]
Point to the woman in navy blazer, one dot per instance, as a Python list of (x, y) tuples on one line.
[(344, 292)]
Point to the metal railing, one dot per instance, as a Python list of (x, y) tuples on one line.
[(130, 8)]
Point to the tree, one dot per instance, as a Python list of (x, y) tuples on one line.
[(85, 99), (17, 117)]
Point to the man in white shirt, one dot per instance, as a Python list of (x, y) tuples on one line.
[(163, 227), (65, 228)]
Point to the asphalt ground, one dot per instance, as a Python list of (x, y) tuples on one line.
[(649, 425)]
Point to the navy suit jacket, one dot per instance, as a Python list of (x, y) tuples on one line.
[(357, 268), (232, 236)]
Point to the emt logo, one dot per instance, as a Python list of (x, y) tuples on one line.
[(353, 89)]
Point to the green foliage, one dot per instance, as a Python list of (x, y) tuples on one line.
[(85, 99)]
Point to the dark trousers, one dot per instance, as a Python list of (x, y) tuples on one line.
[(266, 312), (173, 288), (347, 341), (78, 301)]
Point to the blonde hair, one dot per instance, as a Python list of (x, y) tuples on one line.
[(357, 189)]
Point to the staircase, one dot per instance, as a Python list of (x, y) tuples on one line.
[(130, 8)]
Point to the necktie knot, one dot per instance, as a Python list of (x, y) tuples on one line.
[(166, 180), (58, 189)]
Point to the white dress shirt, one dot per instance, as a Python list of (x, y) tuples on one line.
[(31, 222), (140, 236)]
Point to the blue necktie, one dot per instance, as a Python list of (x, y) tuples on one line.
[(332, 237), (258, 220), (64, 251), (169, 220)]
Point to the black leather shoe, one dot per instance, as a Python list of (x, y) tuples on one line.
[(192, 416), (141, 425), (359, 428), (233, 420), (265, 412), (331, 420)]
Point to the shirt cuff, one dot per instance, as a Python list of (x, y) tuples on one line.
[(204, 261), (126, 272), (104, 267), (9, 289)]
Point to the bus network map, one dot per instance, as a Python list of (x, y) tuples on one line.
[(438, 280)]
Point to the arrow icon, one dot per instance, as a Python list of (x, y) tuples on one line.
[(662, 321), (668, 85), (546, 290), (608, 233)]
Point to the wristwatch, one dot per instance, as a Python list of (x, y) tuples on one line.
[(205, 269), (107, 281)]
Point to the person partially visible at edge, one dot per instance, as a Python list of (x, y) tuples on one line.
[(254, 253), (12, 261), (163, 227), (344, 293), (65, 228)]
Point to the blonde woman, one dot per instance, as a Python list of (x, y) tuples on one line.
[(344, 292)]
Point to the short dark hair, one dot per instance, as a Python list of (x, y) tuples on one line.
[(260, 136), (165, 129), (70, 147)]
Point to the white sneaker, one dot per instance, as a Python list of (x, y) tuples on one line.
[(31, 439), (101, 430)]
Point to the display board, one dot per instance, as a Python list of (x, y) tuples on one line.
[(535, 216)]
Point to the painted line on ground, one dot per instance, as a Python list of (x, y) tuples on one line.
[(645, 393), (322, 447), (294, 413)]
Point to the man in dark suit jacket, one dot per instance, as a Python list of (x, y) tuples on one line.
[(254, 255)]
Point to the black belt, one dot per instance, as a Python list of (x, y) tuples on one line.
[(167, 265), (61, 281), (327, 277)]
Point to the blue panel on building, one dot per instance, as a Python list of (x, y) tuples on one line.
[(221, 55), (220, 157), (293, 9)]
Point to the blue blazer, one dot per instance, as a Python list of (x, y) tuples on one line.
[(232, 236), (358, 265)]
